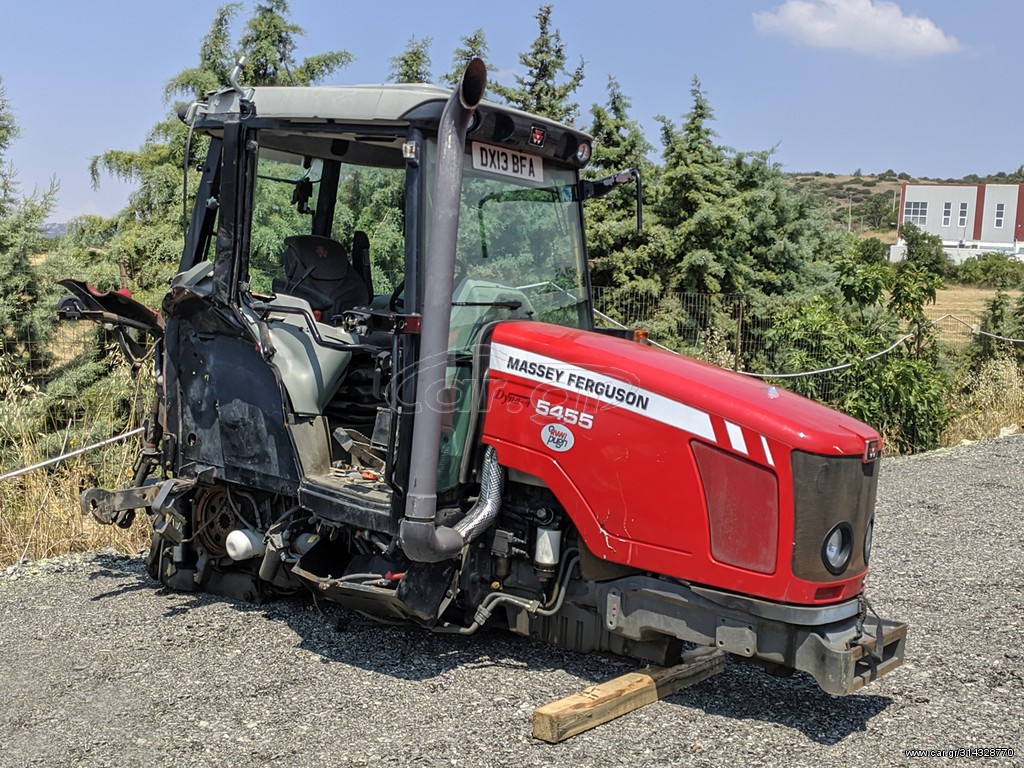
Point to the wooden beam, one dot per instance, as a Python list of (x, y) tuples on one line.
[(598, 704)]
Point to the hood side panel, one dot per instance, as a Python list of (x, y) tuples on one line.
[(611, 425)]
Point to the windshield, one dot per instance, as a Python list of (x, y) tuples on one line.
[(519, 252)]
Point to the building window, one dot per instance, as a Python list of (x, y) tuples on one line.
[(947, 214), (915, 213), (1000, 211), (963, 215)]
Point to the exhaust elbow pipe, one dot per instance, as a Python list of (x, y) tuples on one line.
[(420, 538), (424, 542), (480, 517)]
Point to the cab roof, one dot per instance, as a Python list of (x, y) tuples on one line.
[(380, 103), (298, 108)]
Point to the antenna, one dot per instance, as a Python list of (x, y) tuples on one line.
[(287, 71)]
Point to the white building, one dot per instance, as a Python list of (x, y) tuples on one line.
[(971, 219)]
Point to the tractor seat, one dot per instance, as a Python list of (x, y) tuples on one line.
[(317, 269)]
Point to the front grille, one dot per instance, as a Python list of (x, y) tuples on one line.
[(828, 490)]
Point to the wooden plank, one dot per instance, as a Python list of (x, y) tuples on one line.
[(598, 704)]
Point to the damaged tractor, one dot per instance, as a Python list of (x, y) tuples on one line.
[(378, 377)]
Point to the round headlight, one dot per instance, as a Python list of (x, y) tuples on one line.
[(836, 548), (868, 536)]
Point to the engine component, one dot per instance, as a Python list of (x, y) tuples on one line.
[(546, 552), (214, 520), (243, 544)]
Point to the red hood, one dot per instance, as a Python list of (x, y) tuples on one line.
[(776, 413)]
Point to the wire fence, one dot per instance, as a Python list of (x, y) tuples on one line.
[(732, 332), (681, 321), (64, 393), (69, 420), (46, 409)]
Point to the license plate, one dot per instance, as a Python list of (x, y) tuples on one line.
[(507, 162)]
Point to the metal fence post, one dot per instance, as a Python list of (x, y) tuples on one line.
[(739, 335)]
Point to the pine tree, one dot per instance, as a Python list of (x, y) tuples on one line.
[(474, 46), (268, 42), (413, 64), (695, 202), (21, 221), (216, 60), (538, 90), (149, 235), (695, 170), (733, 222), (8, 125), (618, 257)]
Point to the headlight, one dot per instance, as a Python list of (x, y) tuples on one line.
[(868, 535), (836, 548), (749, 539)]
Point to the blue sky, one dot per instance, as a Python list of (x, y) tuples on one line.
[(834, 85)]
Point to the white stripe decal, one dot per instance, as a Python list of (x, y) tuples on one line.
[(736, 437), (767, 452), (605, 389)]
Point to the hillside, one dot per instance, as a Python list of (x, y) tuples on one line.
[(840, 189), (867, 203)]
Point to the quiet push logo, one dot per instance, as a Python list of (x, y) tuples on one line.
[(557, 437)]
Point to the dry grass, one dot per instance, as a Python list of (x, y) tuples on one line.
[(993, 400), (887, 236), (40, 514), (41, 518), (39, 510), (958, 310), (965, 301)]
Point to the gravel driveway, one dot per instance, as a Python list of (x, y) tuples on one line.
[(99, 668)]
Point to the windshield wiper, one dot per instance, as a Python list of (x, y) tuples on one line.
[(512, 304)]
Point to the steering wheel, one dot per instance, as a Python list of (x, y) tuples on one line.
[(397, 301)]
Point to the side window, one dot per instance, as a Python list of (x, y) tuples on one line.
[(371, 201), (293, 196), (203, 221), (284, 199)]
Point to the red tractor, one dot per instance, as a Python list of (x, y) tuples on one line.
[(378, 377)]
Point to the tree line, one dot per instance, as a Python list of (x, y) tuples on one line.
[(719, 222)]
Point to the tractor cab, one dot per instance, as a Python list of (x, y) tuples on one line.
[(296, 325)]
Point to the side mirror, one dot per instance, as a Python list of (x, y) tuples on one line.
[(602, 186), (301, 194)]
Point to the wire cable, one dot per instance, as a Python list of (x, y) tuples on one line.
[(77, 452)]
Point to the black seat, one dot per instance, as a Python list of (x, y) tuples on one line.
[(317, 269)]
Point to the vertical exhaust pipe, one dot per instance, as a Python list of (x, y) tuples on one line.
[(420, 539)]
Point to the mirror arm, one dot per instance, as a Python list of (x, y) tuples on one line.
[(600, 187)]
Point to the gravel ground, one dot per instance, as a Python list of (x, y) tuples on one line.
[(99, 668)]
